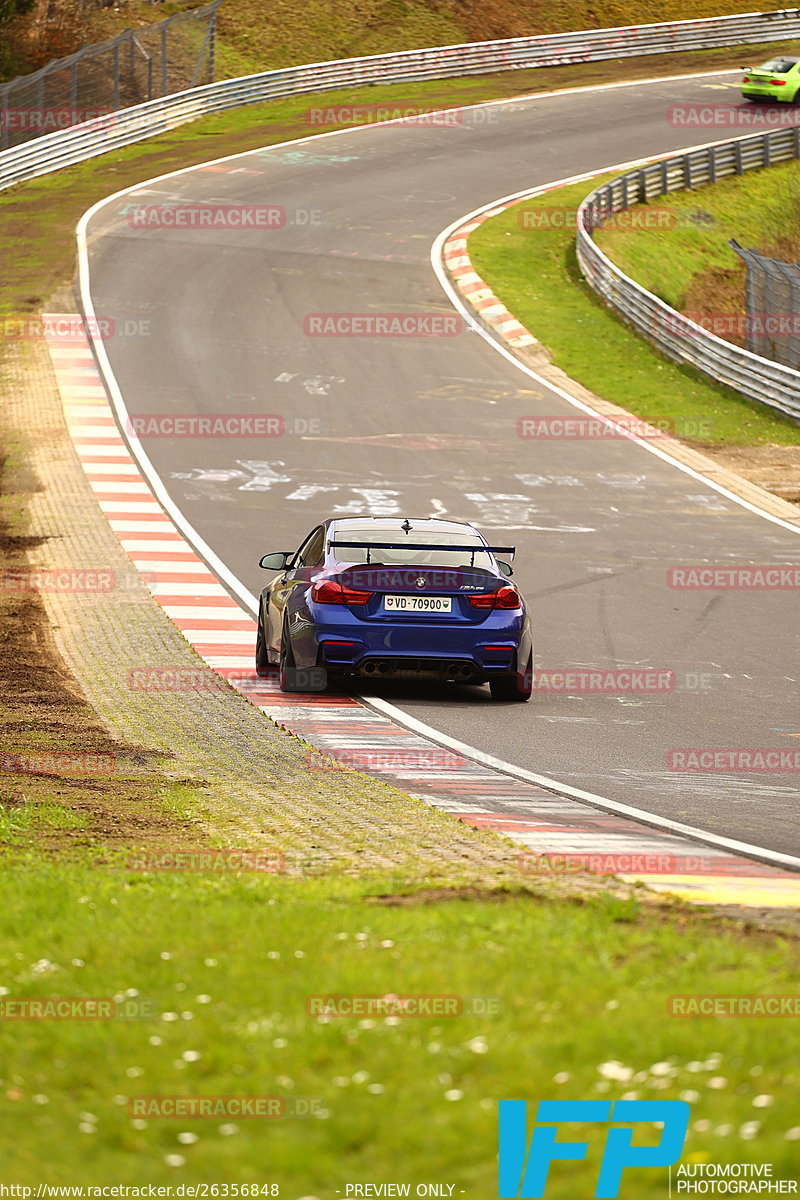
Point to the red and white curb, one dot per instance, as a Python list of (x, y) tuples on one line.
[(476, 290), (555, 833)]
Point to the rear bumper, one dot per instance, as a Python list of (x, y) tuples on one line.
[(462, 654), (767, 92), (345, 644), (461, 669)]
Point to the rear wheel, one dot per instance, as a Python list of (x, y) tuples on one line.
[(297, 679), (518, 686), (263, 668), (287, 675)]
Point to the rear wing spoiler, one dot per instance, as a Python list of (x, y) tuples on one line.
[(335, 544)]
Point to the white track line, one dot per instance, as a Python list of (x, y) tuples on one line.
[(251, 602)]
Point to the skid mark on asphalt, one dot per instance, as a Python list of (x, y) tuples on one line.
[(554, 833)]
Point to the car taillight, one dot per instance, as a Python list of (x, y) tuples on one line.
[(777, 82), (505, 597), (329, 591), (746, 79)]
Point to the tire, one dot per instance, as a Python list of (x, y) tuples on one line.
[(517, 687), (263, 666), (287, 675), (295, 679)]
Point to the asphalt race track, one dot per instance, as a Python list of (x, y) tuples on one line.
[(427, 427)]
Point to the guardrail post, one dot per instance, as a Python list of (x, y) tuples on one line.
[(131, 62), (687, 172), (116, 76), (642, 185), (164, 58), (212, 47), (737, 157), (766, 148), (4, 117), (712, 164)]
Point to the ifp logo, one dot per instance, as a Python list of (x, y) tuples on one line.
[(524, 1169)]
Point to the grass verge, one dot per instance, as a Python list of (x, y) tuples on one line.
[(691, 266), (220, 970), (535, 273)]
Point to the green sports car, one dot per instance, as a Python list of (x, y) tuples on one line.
[(778, 79)]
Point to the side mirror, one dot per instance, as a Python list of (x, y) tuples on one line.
[(275, 561), (505, 568)]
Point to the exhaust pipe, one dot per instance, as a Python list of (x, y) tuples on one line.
[(383, 668), (369, 668)]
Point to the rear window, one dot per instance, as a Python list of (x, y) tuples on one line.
[(459, 556), (779, 66)]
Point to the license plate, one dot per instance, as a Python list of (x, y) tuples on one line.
[(438, 604)]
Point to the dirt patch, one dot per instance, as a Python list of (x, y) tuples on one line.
[(774, 468)]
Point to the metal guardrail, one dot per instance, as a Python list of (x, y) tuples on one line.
[(675, 334), (65, 147)]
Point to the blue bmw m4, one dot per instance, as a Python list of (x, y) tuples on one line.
[(394, 598)]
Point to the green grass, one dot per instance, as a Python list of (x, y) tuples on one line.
[(535, 273), (18, 823), (758, 209), (405, 1099)]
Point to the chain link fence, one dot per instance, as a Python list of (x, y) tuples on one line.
[(136, 66), (772, 306)]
